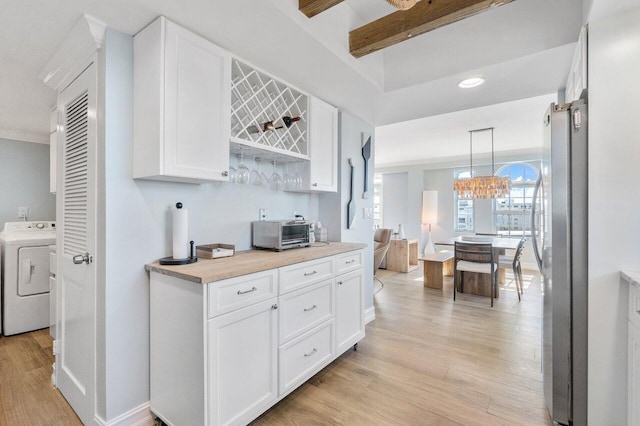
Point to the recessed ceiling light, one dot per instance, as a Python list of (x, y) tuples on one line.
[(471, 82)]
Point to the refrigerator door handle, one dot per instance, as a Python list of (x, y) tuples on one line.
[(534, 230)]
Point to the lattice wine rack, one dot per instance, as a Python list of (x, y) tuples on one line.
[(257, 99)]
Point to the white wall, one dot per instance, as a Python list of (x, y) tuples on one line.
[(24, 181), (332, 210), (138, 231), (395, 200), (614, 225)]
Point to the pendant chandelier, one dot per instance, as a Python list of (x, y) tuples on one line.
[(483, 187), (402, 4)]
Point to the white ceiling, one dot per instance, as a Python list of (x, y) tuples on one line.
[(523, 48), (518, 127)]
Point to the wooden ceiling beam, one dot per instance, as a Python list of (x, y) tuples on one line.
[(313, 7), (421, 18)]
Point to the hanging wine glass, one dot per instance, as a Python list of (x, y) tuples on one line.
[(297, 178), (243, 171), (275, 181), (233, 175), (287, 179), (256, 178)]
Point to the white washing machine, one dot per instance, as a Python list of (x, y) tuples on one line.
[(25, 275)]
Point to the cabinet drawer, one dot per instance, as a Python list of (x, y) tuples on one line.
[(235, 293), (349, 262), (304, 356), (306, 308), (303, 274), (634, 305)]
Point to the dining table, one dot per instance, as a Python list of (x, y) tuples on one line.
[(477, 283)]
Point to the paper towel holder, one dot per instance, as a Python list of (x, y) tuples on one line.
[(171, 261)]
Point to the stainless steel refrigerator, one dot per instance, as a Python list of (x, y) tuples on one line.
[(560, 245)]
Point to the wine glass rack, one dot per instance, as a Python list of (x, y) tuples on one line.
[(256, 99)]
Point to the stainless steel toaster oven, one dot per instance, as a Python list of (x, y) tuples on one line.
[(280, 234)]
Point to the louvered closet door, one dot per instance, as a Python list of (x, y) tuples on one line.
[(76, 218)]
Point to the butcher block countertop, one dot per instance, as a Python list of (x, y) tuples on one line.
[(249, 262)]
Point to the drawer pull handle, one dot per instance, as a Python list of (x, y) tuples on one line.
[(311, 353), (310, 309), (349, 262), (247, 291), (310, 273), (339, 282), (274, 307)]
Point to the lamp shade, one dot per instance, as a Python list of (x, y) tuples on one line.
[(429, 207)]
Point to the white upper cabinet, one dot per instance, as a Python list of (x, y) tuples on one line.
[(577, 80), (182, 100), (323, 146)]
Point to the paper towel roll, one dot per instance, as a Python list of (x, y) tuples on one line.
[(180, 233)]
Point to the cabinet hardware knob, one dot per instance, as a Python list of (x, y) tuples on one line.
[(315, 184), (311, 353), (274, 307), (310, 273), (225, 173), (247, 291), (310, 309), (339, 282)]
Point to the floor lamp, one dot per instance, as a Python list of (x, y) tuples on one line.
[(429, 216)]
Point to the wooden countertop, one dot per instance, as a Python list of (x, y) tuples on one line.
[(632, 277), (249, 262)]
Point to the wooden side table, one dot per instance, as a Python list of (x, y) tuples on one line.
[(436, 266), (402, 255)]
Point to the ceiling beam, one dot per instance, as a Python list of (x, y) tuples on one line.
[(421, 18), (312, 7)]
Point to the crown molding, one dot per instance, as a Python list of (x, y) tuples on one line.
[(82, 42)]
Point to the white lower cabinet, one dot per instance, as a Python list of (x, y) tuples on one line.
[(301, 358), (243, 363), (349, 309), (633, 416), (222, 353), (633, 373)]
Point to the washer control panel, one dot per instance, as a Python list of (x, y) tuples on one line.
[(12, 227)]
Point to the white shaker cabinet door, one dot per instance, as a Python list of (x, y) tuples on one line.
[(243, 362), (349, 309), (182, 103), (323, 146)]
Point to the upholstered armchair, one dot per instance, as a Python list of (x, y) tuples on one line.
[(381, 241)]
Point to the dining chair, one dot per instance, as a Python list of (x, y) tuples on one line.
[(514, 262), (478, 258), (381, 242)]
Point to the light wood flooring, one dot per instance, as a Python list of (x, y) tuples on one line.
[(26, 394), (425, 361)]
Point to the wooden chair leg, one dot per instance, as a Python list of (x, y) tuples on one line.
[(455, 283), (515, 278), (520, 277), (493, 286)]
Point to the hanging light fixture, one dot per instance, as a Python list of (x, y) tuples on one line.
[(483, 187), (403, 4)]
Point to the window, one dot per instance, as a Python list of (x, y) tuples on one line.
[(463, 208), (512, 214)]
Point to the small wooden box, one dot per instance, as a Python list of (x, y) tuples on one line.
[(215, 251)]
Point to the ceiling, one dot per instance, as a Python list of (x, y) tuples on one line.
[(517, 127), (523, 49)]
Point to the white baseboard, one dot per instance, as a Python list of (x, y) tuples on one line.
[(138, 416), (369, 315)]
